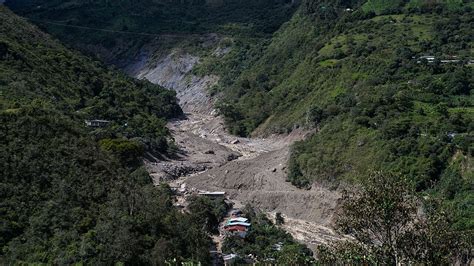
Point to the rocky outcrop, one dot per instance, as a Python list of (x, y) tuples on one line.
[(174, 72)]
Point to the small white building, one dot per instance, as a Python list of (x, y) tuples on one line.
[(229, 259), (216, 194), (97, 123)]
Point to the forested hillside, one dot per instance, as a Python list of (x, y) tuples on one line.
[(116, 30), (35, 67), (72, 195), (359, 74), (64, 200), (161, 16)]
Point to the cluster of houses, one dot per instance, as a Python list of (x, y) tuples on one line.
[(238, 226)]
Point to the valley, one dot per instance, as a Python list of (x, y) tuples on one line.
[(192, 132), (250, 170)]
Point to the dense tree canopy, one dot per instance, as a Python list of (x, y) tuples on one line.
[(357, 73), (65, 200), (34, 66), (115, 22), (70, 194)]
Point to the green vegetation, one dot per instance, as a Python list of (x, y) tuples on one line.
[(70, 194), (403, 228), (66, 201), (178, 20), (350, 70), (267, 243), (73, 194), (379, 6), (208, 212), (357, 79), (382, 7), (35, 67), (162, 16)]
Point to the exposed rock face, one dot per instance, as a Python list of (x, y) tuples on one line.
[(173, 72)]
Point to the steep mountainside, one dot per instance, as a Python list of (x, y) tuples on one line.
[(35, 67), (116, 30), (388, 87), (71, 195)]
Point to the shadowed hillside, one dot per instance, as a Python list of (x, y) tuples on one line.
[(117, 30), (69, 195)]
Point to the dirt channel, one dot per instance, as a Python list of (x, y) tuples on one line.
[(250, 170)]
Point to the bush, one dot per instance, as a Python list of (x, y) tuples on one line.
[(396, 231)]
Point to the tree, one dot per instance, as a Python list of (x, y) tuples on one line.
[(390, 224), (279, 220), (314, 115), (207, 212), (129, 152), (295, 254)]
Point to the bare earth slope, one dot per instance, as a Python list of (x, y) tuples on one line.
[(172, 72), (260, 181)]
